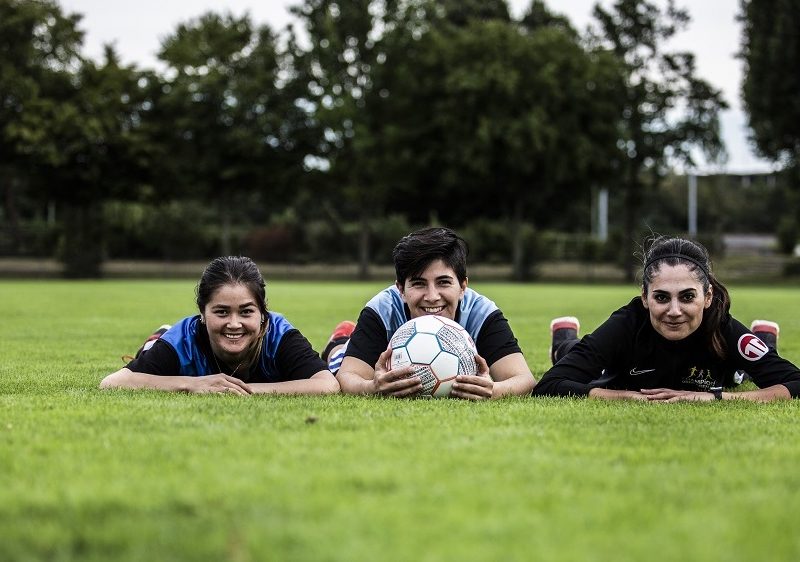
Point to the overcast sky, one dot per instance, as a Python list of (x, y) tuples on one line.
[(137, 28)]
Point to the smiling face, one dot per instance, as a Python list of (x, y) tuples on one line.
[(676, 301), (233, 321), (435, 291)]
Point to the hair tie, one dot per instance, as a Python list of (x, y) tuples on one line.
[(702, 267)]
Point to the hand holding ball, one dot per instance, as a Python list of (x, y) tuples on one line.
[(437, 348)]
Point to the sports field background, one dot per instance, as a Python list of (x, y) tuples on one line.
[(91, 475)]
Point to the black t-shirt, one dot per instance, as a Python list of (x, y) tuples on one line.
[(495, 339), (626, 353), (295, 359)]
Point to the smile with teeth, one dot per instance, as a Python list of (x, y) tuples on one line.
[(433, 309)]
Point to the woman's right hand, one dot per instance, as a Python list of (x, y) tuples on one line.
[(220, 383), (399, 382)]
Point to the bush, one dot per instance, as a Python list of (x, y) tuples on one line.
[(173, 231), (274, 243), (787, 232), (792, 268), (489, 241)]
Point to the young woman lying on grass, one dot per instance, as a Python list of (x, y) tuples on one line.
[(677, 341), (234, 345)]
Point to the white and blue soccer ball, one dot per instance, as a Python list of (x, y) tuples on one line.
[(438, 349)]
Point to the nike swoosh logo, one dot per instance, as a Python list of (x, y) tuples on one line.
[(635, 372)]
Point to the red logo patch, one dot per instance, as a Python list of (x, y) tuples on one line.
[(752, 348)]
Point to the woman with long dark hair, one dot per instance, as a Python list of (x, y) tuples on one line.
[(676, 341), (233, 345)]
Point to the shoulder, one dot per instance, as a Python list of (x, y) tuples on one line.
[(182, 331), (633, 315), (474, 309), (474, 300), (279, 322), (389, 307), (627, 327), (387, 301)]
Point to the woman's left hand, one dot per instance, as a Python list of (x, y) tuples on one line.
[(474, 387), (669, 395)]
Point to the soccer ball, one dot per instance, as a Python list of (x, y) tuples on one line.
[(438, 349)]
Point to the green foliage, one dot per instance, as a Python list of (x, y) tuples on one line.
[(770, 47), (788, 233), (223, 120), (91, 475), (422, 111), (792, 268), (174, 231), (669, 110)]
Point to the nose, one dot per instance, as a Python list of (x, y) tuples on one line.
[(234, 320), (432, 293), (674, 308)]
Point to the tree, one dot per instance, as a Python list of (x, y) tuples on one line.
[(771, 94), (771, 85), (94, 151), (223, 118), (669, 111), (350, 46), (499, 120), (68, 124), (38, 48)]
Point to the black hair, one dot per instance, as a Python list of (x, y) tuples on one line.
[(416, 251), (679, 251), (235, 270)]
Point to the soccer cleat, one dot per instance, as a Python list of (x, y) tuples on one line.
[(341, 334), (767, 332), (562, 329), (342, 330)]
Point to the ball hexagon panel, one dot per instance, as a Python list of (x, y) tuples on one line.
[(423, 348)]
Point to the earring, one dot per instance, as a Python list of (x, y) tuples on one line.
[(202, 320)]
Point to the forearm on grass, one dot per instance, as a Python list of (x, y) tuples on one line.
[(511, 376), (356, 377), (517, 385), (768, 394), (125, 378), (319, 383), (607, 394)]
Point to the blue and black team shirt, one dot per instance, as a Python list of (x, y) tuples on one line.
[(627, 353), (184, 350), (386, 312)]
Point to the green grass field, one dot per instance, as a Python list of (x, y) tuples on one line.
[(91, 475)]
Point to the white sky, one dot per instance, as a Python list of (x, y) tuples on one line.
[(137, 28)]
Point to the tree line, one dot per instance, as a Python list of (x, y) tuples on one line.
[(428, 110)]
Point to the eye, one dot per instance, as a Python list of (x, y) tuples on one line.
[(221, 312), (688, 297), (659, 298), (248, 312)]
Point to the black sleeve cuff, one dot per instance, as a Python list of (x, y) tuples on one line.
[(793, 387), (563, 387)]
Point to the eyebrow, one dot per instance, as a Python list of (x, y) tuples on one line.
[(439, 278), (681, 292), (245, 305)]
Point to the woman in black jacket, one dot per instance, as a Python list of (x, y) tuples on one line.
[(677, 341)]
